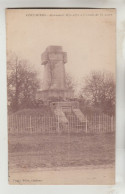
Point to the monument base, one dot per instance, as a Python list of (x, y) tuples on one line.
[(47, 94)]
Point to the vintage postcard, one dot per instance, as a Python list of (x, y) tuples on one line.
[(61, 96)]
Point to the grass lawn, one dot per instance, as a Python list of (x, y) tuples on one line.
[(61, 150)]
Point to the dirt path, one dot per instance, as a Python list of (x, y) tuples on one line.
[(64, 176)]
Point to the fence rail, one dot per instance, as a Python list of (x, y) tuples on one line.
[(38, 124)]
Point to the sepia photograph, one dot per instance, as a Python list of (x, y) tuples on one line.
[(61, 89)]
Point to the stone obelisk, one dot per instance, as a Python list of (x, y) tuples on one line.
[(54, 60)]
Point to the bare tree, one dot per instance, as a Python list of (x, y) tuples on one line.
[(99, 90), (22, 83)]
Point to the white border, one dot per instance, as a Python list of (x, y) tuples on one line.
[(119, 188)]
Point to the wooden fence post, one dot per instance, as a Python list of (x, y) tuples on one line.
[(112, 126), (30, 127), (58, 124), (99, 123), (86, 125)]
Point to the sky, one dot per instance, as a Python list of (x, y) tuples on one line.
[(88, 37)]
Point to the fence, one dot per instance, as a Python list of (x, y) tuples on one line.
[(37, 124)]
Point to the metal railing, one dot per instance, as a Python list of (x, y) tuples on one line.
[(19, 124)]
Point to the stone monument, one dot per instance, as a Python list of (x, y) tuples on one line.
[(53, 60), (54, 84)]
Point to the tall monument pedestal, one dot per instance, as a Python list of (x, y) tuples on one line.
[(54, 84)]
